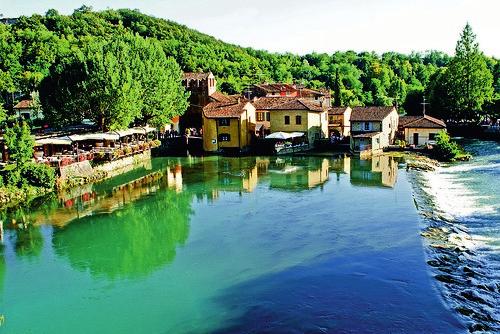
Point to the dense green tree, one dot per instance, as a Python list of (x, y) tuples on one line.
[(160, 78), (469, 80), (338, 87), (20, 143), (10, 68), (39, 47), (439, 95)]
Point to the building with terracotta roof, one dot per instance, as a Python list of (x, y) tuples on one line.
[(292, 114), (339, 121), (228, 126), (290, 90), (420, 130), (25, 109), (373, 128)]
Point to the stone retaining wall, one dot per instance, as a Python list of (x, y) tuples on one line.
[(116, 167), (81, 173)]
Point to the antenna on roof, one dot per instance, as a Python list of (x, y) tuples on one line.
[(424, 104)]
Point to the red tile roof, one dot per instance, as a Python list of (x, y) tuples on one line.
[(232, 109), (24, 104), (195, 75), (277, 87), (426, 121), (363, 114), (403, 120), (337, 110), (287, 103), (311, 92), (221, 97)]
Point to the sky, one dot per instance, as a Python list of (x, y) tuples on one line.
[(304, 26)]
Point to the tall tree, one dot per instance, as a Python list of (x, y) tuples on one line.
[(98, 84), (469, 80), (20, 143), (160, 79), (338, 86)]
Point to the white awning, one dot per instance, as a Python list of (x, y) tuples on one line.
[(124, 133), (101, 136), (284, 135), (54, 141)]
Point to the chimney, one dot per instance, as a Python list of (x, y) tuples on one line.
[(239, 100)]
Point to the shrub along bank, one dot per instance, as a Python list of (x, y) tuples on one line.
[(448, 150), (23, 179)]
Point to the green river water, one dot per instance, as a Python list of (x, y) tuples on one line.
[(225, 245)]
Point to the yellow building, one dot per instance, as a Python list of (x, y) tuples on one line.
[(292, 114), (339, 121), (420, 130), (228, 126)]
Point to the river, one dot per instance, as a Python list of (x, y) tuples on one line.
[(230, 245), (460, 204)]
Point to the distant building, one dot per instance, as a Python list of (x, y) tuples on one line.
[(420, 130), (373, 128), (339, 121), (289, 90), (26, 109), (8, 20), (292, 115), (228, 126)]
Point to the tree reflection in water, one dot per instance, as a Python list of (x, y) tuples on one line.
[(129, 243)]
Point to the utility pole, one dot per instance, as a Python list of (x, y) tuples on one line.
[(424, 103)]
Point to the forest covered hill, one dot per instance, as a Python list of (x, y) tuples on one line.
[(33, 45)]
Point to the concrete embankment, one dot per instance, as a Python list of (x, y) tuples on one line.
[(83, 172)]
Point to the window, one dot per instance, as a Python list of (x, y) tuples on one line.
[(298, 119), (260, 116), (287, 119), (224, 137), (268, 116), (432, 136), (367, 126), (224, 122)]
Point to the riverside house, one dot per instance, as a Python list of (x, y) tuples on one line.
[(228, 126), (25, 109), (292, 114), (420, 130), (339, 121), (373, 128)]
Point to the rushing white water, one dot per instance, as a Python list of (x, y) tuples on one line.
[(460, 204)]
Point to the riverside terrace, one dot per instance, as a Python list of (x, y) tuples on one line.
[(60, 151)]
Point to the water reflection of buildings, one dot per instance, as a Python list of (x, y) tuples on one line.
[(298, 173), (102, 198), (217, 174), (378, 171)]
